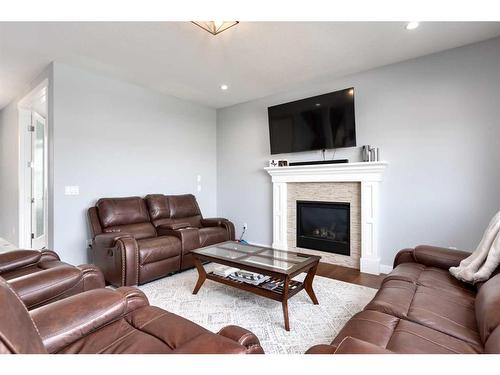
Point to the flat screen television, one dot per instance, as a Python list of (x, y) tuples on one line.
[(316, 123)]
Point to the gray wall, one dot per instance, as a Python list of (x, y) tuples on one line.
[(113, 138), (9, 149), (436, 120)]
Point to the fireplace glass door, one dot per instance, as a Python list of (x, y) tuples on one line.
[(324, 226)]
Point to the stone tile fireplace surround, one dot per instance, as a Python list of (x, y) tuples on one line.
[(355, 183), (349, 192)]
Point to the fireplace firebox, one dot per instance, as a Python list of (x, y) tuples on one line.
[(324, 226)]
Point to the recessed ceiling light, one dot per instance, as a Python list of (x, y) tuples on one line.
[(412, 25), (224, 87)]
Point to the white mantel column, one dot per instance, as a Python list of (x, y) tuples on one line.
[(280, 218), (370, 259)]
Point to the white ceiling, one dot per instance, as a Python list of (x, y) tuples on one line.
[(255, 59)]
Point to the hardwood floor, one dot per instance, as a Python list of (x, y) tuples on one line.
[(349, 275)]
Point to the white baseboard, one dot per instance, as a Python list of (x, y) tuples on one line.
[(258, 244)]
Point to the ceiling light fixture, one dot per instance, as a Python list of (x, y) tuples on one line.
[(215, 27), (224, 87), (412, 25)]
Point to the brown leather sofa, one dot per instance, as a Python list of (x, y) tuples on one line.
[(112, 322), (137, 240), (421, 308), (39, 277)]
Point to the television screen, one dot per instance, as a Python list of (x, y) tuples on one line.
[(321, 122)]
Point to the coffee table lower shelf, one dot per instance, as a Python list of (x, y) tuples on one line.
[(294, 287), (290, 287)]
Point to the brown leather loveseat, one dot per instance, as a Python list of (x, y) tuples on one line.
[(422, 308), (39, 277), (110, 322), (137, 240)]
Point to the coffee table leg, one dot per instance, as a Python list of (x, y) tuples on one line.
[(284, 302), (202, 275), (308, 284)]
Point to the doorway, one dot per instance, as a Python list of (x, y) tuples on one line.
[(33, 169)]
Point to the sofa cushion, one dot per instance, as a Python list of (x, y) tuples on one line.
[(371, 326), (212, 235), (432, 277), (393, 298), (488, 307), (430, 299), (156, 270), (122, 211), (409, 337), (183, 206), (409, 272), (38, 288), (401, 336), (158, 206), (158, 248), (143, 331)]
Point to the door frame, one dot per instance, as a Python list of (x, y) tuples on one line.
[(25, 107), (42, 242)]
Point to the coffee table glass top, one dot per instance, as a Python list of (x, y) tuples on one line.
[(255, 255), (238, 247)]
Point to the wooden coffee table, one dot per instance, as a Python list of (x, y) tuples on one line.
[(279, 265)]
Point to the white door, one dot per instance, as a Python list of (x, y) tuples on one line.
[(38, 163)]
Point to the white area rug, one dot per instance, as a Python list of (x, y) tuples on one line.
[(217, 305)]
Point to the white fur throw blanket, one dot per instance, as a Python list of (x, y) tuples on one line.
[(481, 263)]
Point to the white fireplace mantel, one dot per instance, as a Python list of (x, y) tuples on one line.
[(369, 174)]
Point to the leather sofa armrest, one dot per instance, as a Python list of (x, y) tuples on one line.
[(352, 345), (243, 337), (117, 255), (65, 321), (92, 277), (220, 222), (210, 343), (18, 258), (108, 240), (175, 226), (349, 345), (321, 349), (213, 222), (49, 256), (431, 256), (403, 256), (135, 298)]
